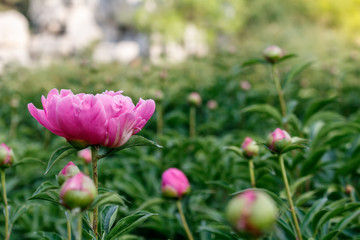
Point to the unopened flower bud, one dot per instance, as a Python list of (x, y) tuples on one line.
[(349, 189), (212, 104), (278, 140), (67, 172), (252, 212), (6, 156), (77, 192), (250, 148), (85, 154), (272, 54), (245, 85), (194, 99), (174, 183)]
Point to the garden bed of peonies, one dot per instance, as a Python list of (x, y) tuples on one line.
[(214, 158)]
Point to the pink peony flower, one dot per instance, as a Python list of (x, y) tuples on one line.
[(67, 172), (250, 147), (107, 119), (85, 154), (77, 192), (174, 183), (278, 140), (6, 156)]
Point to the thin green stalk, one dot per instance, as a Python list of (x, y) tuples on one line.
[(192, 123), (275, 76), (94, 155), (252, 174), (79, 227), (292, 208), (183, 220), (7, 234), (68, 226), (159, 119)]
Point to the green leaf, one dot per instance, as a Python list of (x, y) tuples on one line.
[(110, 217), (46, 191), (50, 236), (28, 160), (295, 71), (150, 202), (266, 109), (288, 56), (335, 212), (292, 147), (253, 62), (219, 230), (298, 182), (235, 149), (330, 235), (107, 198), (128, 223), (58, 155), (309, 216), (134, 141), (316, 107)]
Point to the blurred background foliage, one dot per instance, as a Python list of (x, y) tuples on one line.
[(323, 95)]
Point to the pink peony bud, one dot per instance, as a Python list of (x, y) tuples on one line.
[(252, 212), (278, 140), (194, 99), (212, 104), (67, 172), (85, 154), (108, 119), (6, 156), (174, 183), (250, 148), (77, 192), (245, 85), (273, 54)]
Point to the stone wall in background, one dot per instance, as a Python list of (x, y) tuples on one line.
[(64, 28)]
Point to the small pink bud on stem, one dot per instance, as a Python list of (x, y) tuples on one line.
[(252, 212)]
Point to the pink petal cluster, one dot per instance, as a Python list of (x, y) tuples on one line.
[(6, 154), (174, 183), (67, 172), (278, 140), (85, 154), (107, 119)]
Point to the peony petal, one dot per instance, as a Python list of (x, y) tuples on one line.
[(120, 130), (40, 116), (143, 112)]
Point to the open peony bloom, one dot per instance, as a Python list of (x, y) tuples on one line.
[(6, 156), (278, 140), (107, 119), (252, 212), (250, 148), (77, 192), (174, 183)]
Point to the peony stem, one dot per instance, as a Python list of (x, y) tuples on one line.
[(183, 220), (7, 234), (292, 208), (192, 123), (159, 119), (79, 227), (68, 225), (94, 157), (252, 174), (275, 76)]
